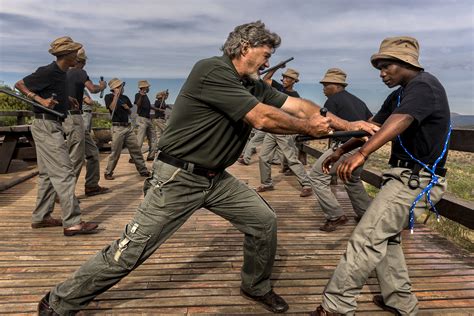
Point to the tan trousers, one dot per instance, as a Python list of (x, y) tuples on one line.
[(375, 244), (56, 174), (124, 136)]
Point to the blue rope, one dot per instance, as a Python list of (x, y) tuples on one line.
[(434, 177)]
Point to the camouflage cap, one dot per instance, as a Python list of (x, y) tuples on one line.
[(335, 75), (63, 45), (403, 48)]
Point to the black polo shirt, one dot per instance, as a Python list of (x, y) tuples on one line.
[(120, 114), (423, 98), (279, 87), (47, 80), (161, 105), (348, 107), (76, 79), (145, 106), (207, 126)]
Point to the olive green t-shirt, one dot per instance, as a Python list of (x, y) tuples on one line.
[(206, 126)]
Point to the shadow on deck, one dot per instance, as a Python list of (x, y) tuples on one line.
[(197, 271)]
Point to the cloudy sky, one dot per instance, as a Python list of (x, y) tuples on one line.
[(163, 39)]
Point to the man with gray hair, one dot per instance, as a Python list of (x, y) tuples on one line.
[(220, 102)]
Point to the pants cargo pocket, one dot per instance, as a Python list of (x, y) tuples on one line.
[(131, 246)]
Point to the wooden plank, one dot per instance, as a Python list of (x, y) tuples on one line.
[(197, 270)]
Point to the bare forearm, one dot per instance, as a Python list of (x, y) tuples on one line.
[(351, 144), (392, 127)]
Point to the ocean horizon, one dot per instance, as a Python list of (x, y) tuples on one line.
[(372, 93)]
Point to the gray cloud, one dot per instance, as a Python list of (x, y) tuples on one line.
[(163, 39)]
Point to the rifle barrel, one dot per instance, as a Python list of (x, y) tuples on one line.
[(277, 66), (33, 104), (303, 138)]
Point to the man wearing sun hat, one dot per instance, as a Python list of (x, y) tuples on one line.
[(79, 140), (418, 112), (145, 126), (349, 107), (56, 174), (119, 106), (284, 142), (159, 120)]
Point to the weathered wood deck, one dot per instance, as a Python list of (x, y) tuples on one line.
[(197, 270)]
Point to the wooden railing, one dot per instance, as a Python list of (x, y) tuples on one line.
[(458, 210), (22, 114)]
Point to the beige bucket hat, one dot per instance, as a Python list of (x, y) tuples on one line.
[(81, 55), (402, 48), (335, 75), (115, 83), (63, 45), (291, 73), (161, 94), (143, 84)]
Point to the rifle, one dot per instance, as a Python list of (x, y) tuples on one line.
[(33, 103), (102, 92), (276, 66), (112, 116), (342, 134)]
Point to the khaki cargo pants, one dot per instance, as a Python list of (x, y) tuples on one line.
[(124, 135), (288, 149), (146, 129), (74, 129), (174, 195), (56, 175), (375, 244), (321, 184)]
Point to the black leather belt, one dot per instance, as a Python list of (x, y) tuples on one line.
[(50, 117), (409, 164), (87, 111), (120, 124), (73, 112), (189, 166)]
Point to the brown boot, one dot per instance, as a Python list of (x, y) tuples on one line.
[(48, 222), (83, 228), (320, 311), (108, 176), (44, 309), (270, 301), (305, 192), (331, 225), (91, 191)]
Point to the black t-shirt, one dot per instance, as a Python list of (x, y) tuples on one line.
[(76, 79), (47, 80), (120, 114), (280, 88), (145, 106), (424, 98), (161, 105), (348, 107)]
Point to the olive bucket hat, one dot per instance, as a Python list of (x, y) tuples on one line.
[(335, 75), (403, 48)]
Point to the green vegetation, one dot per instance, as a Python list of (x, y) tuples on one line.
[(100, 121), (9, 103)]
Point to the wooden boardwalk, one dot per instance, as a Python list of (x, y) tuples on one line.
[(197, 270)]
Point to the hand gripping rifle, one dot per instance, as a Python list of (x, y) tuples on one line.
[(276, 66), (342, 134), (102, 92), (33, 103), (118, 99)]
